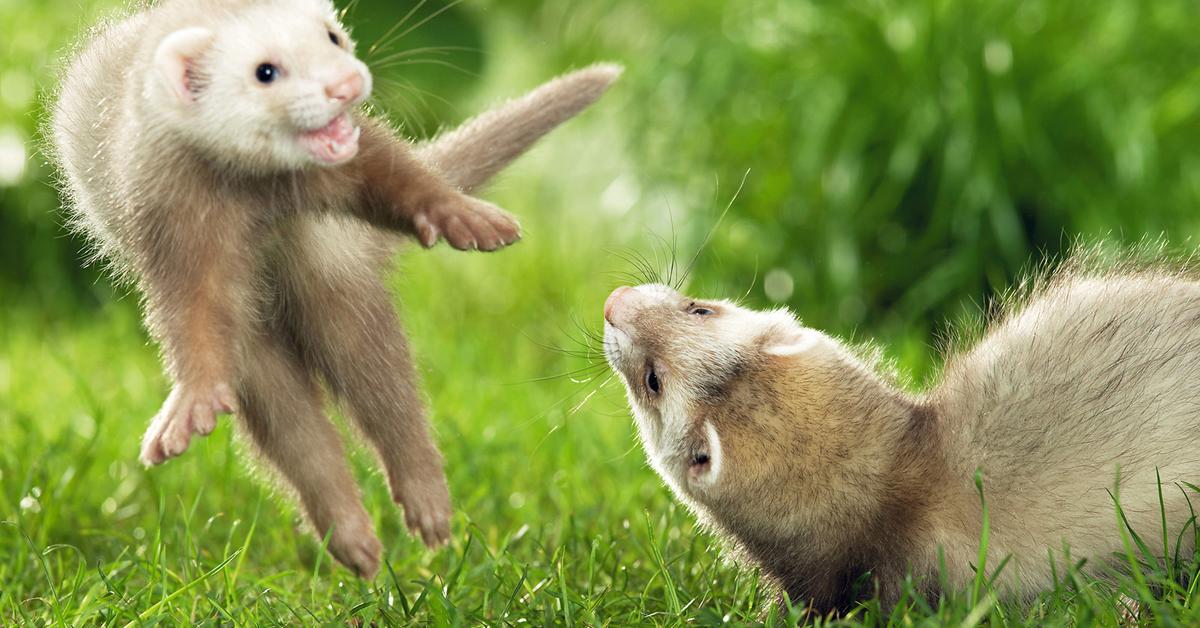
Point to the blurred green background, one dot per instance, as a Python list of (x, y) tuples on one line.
[(903, 162)]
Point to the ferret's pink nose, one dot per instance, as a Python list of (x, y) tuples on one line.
[(346, 89), (613, 300)]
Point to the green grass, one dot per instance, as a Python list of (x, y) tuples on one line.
[(558, 518), (559, 521), (889, 185)]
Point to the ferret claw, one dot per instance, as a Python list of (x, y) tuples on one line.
[(468, 224), (427, 234)]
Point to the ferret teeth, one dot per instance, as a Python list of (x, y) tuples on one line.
[(336, 141)]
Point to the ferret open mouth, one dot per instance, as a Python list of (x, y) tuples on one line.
[(333, 143)]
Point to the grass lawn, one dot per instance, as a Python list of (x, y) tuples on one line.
[(559, 520)]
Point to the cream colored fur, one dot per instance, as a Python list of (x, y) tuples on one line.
[(261, 252), (1085, 390)]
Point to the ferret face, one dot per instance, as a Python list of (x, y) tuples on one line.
[(268, 87), (715, 415)]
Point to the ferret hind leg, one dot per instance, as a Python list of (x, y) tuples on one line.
[(281, 411), (345, 320)]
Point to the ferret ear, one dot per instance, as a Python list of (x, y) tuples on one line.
[(176, 55), (793, 340)]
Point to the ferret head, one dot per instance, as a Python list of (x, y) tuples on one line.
[(266, 85), (761, 425)]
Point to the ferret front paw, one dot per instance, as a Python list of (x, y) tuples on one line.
[(426, 502), (467, 223), (354, 544), (188, 410)]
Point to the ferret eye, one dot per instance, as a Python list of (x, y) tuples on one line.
[(700, 459), (337, 41), (266, 73), (699, 311), (652, 383)]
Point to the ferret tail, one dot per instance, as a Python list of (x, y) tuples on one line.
[(471, 154)]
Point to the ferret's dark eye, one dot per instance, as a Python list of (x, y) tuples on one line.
[(337, 41), (652, 383), (266, 73), (698, 310), (700, 459)]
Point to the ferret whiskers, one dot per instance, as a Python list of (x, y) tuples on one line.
[(384, 41), (712, 231), (646, 272), (433, 50), (412, 88), (416, 110), (589, 396), (753, 280), (419, 61), (589, 349), (347, 10)]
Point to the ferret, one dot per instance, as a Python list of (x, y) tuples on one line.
[(217, 153), (808, 459)]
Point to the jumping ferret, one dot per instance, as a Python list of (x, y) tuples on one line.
[(814, 466), (215, 152)]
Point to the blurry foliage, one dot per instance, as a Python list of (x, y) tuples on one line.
[(905, 158)]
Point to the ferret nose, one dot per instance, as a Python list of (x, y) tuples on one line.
[(346, 89), (613, 300)]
